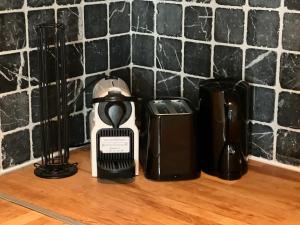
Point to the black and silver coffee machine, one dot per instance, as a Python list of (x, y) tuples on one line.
[(223, 132)]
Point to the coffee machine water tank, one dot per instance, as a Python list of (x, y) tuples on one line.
[(223, 128)]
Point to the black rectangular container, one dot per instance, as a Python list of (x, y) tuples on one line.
[(223, 128), (169, 149)]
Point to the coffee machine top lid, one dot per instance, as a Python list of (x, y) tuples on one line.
[(106, 85)]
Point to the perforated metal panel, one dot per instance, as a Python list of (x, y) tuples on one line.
[(119, 132)]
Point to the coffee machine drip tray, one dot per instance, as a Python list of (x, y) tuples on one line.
[(177, 106), (115, 153)]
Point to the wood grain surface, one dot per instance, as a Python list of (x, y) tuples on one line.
[(265, 195), (11, 214)]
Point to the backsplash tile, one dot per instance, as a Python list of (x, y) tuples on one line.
[(197, 59), (16, 113), (69, 17), (142, 16), (229, 26), (263, 27), (119, 17), (262, 101), (289, 102), (292, 4), (290, 33), (96, 56), (142, 82), (265, 3), (15, 148), (167, 84), (8, 4), (260, 66), (95, 20), (14, 74), (191, 89), (66, 2), (287, 150), (120, 54), (290, 71), (168, 54), (35, 18), (231, 2), (74, 64), (143, 50), (228, 62), (169, 19), (197, 23), (12, 31), (38, 3), (261, 140)]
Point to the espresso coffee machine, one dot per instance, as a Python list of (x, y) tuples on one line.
[(114, 135), (223, 128)]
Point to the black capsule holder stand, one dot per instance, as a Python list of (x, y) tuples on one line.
[(54, 125)]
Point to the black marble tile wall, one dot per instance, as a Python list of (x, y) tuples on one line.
[(98, 41), (255, 40), (160, 48)]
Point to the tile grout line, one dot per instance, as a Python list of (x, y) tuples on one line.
[(83, 77), (131, 44), (212, 40), (30, 125), (244, 45), (182, 50), (155, 37), (277, 83)]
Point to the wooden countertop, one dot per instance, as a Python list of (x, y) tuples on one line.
[(265, 195)]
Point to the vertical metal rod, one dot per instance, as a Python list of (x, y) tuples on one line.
[(65, 110), (46, 95), (45, 116), (41, 82), (58, 93)]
